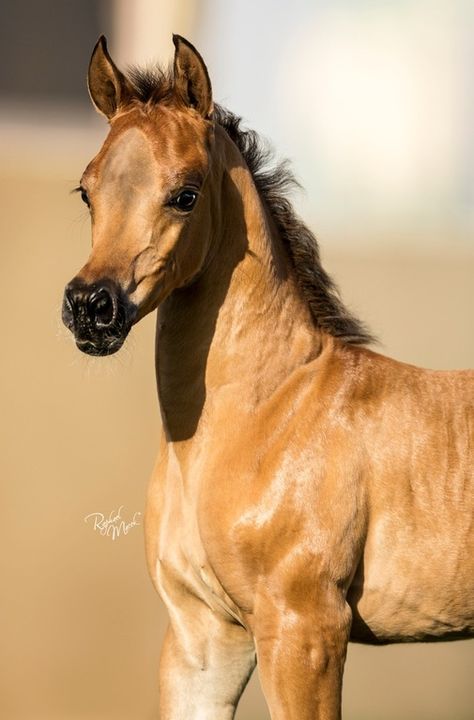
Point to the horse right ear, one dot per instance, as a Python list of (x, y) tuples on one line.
[(108, 87)]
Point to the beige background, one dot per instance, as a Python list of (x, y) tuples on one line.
[(81, 625)]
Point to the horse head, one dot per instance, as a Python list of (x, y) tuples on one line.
[(148, 194)]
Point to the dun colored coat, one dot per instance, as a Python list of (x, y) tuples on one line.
[(308, 491)]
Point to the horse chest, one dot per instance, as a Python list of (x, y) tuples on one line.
[(178, 557)]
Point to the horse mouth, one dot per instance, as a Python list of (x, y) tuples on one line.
[(99, 349), (97, 342)]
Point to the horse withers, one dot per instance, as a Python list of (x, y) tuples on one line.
[(308, 491)]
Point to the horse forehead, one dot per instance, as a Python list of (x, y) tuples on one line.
[(129, 155), (170, 144), (180, 135)]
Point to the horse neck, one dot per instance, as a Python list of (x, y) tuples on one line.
[(241, 328)]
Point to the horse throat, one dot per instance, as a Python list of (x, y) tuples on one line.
[(237, 332)]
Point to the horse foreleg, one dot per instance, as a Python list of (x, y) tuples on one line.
[(301, 656), (205, 665)]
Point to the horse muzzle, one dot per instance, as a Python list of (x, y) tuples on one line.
[(98, 314)]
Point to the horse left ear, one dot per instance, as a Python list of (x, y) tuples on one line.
[(108, 87), (191, 79)]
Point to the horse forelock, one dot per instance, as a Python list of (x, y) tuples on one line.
[(152, 84)]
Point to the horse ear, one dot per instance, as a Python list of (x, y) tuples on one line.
[(108, 87), (191, 79)]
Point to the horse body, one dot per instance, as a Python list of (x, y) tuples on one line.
[(308, 491), (416, 578), (372, 464)]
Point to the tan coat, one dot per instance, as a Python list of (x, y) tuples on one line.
[(307, 491)]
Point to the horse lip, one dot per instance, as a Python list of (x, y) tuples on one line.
[(89, 347)]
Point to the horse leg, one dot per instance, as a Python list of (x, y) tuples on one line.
[(301, 656), (205, 665)]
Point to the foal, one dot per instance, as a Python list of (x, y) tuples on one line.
[(307, 491)]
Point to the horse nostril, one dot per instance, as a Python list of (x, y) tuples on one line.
[(102, 307), (68, 308), (70, 297)]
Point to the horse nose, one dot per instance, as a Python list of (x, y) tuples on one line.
[(94, 306)]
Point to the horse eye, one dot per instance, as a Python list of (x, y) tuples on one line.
[(85, 197), (185, 200)]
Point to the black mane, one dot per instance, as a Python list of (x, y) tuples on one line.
[(274, 182)]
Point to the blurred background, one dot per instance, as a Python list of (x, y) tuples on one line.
[(374, 104)]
